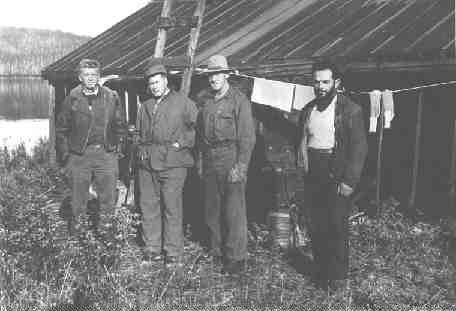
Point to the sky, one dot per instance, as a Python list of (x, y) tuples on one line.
[(82, 17)]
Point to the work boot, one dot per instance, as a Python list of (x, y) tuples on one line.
[(233, 266), (173, 262), (213, 256), (151, 256), (338, 286)]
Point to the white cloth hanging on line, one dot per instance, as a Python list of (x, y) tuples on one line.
[(375, 97), (304, 94), (272, 93), (388, 104)]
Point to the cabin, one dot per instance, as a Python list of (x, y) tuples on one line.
[(380, 44)]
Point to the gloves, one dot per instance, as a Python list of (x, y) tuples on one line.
[(238, 173), (142, 154), (199, 165)]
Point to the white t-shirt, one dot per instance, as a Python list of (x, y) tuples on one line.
[(321, 127)]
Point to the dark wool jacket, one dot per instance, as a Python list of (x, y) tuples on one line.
[(74, 121), (174, 121), (351, 143)]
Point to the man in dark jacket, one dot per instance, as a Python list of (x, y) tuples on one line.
[(332, 151), (89, 128), (166, 126), (227, 138)]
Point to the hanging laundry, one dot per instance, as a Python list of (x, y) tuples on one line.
[(375, 97), (272, 93), (388, 103), (303, 95)]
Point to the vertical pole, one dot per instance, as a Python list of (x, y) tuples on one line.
[(453, 152), (416, 159), (453, 169), (454, 34), (161, 37), (379, 153), (52, 151), (193, 44), (138, 107), (126, 107)]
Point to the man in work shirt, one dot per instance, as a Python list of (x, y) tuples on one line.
[(166, 126), (332, 152), (227, 138), (89, 128)]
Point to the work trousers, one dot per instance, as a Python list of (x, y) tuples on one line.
[(329, 219), (225, 207), (160, 201), (100, 166)]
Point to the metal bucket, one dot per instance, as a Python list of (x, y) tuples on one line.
[(280, 224)]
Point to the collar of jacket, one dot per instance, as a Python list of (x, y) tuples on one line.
[(339, 111), (149, 104), (78, 92), (228, 94)]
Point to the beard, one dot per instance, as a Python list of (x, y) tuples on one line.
[(324, 99)]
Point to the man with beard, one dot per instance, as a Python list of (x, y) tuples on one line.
[(166, 135), (332, 150), (227, 137)]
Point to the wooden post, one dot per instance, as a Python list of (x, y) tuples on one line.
[(126, 107), (379, 153), (52, 151), (416, 156), (161, 37), (453, 169), (193, 44)]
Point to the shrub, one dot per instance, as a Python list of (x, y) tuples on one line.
[(40, 263)]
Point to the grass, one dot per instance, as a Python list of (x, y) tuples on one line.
[(395, 263)]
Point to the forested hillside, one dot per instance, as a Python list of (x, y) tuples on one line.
[(26, 51)]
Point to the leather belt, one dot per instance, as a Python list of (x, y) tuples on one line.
[(220, 144), (322, 151), (151, 143), (95, 146)]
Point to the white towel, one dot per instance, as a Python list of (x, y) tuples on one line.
[(388, 103), (303, 95), (272, 93), (375, 97)]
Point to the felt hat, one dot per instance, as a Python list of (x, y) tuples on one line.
[(154, 67), (216, 64)]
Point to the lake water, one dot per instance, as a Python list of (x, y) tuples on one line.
[(24, 109)]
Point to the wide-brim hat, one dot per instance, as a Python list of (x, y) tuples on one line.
[(217, 64), (154, 67)]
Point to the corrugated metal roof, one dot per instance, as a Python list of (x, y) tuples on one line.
[(264, 31)]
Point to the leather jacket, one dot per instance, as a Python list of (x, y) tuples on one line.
[(75, 119), (351, 142)]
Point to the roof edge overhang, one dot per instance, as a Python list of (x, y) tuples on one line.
[(296, 67)]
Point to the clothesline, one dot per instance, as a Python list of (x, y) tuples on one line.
[(415, 88), (237, 73)]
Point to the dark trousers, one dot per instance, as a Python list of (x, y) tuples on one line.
[(329, 220), (100, 166), (225, 207), (160, 200)]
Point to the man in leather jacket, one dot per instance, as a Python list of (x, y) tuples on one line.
[(332, 150), (89, 128)]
